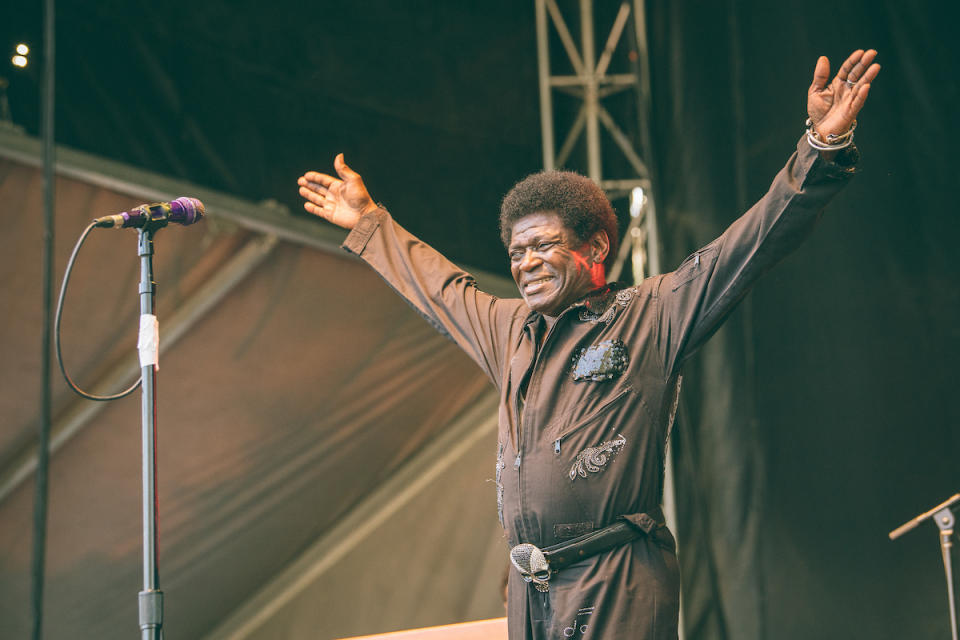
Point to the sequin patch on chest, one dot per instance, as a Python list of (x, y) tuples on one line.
[(594, 459), (602, 361)]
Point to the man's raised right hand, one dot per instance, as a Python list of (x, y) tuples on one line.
[(341, 200)]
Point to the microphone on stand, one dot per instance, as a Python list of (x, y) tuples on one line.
[(180, 211)]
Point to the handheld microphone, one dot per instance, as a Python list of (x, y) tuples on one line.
[(180, 211)]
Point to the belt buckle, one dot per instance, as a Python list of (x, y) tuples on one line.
[(532, 564)]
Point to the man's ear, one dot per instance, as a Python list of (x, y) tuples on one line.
[(599, 246)]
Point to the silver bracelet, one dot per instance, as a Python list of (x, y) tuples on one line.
[(833, 142)]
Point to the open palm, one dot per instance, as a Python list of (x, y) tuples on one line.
[(342, 200), (834, 105)]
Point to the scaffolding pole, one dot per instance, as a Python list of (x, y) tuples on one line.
[(591, 82)]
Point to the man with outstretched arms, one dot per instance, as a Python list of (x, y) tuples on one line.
[(588, 372)]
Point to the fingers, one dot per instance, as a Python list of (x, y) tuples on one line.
[(821, 74), (844, 73), (311, 191), (858, 70), (861, 75), (315, 179), (345, 172), (849, 107), (314, 209), (311, 186), (340, 200), (316, 186), (870, 74), (858, 97), (320, 180), (315, 201)]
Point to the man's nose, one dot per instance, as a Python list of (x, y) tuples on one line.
[(531, 260)]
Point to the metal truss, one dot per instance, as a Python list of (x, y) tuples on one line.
[(591, 82)]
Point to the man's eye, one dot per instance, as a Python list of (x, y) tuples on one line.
[(545, 246), (517, 255)]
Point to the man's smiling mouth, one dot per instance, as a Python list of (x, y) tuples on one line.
[(535, 286)]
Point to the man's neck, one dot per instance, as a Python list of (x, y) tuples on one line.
[(550, 321)]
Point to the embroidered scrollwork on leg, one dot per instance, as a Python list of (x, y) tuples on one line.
[(497, 481)]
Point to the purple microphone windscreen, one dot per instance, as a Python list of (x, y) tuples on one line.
[(185, 210)]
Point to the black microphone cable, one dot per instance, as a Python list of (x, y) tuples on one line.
[(56, 329)]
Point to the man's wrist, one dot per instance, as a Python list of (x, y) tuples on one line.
[(842, 163), (831, 142), (370, 208)]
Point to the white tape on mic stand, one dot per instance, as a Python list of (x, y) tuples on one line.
[(148, 343)]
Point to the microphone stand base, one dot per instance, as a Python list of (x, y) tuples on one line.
[(151, 614)]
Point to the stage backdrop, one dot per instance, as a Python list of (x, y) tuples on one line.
[(323, 453), (824, 414), (301, 404)]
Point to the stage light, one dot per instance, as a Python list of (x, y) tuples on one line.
[(636, 202), (19, 61), (23, 49)]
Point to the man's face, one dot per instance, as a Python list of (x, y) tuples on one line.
[(549, 265)]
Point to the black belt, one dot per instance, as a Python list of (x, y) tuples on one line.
[(539, 565)]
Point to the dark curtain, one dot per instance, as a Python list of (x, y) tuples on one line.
[(823, 414)]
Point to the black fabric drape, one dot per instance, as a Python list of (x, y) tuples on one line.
[(823, 414)]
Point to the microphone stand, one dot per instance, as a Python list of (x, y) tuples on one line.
[(151, 598), (148, 219), (943, 516)]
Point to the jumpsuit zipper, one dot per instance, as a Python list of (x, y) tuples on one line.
[(520, 429)]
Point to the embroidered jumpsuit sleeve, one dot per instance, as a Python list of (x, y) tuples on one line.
[(445, 295), (696, 298)]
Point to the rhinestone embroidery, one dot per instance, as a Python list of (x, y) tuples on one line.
[(589, 316), (604, 309), (498, 483), (624, 296), (594, 459), (602, 361), (580, 623)]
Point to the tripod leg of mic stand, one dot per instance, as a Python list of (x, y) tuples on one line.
[(945, 520)]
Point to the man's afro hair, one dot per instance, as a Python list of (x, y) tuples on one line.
[(578, 201)]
